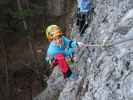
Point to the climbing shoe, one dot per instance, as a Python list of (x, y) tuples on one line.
[(73, 76)]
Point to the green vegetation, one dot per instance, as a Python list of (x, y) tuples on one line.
[(24, 13)]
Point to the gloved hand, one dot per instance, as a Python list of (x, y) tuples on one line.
[(81, 44)]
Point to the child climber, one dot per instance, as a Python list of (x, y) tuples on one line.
[(60, 47)]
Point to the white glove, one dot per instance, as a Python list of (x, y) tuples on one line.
[(81, 44)]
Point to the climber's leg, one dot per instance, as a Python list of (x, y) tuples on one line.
[(63, 65)]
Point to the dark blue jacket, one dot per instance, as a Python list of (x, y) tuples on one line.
[(84, 5)]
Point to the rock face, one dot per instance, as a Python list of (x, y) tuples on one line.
[(58, 7), (106, 72)]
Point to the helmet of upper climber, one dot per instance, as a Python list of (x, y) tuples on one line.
[(84, 5), (53, 31)]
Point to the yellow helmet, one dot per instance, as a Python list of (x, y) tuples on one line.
[(53, 31)]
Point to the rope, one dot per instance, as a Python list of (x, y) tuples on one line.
[(82, 28), (121, 41), (94, 45), (109, 44)]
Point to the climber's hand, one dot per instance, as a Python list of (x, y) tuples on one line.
[(51, 66), (53, 63), (81, 44)]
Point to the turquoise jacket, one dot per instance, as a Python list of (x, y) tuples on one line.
[(67, 48), (84, 5)]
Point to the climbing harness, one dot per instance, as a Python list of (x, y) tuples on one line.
[(57, 74)]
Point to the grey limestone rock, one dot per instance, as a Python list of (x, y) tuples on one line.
[(107, 72)]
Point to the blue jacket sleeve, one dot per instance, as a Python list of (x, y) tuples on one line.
[(70, 43), (50, 56)]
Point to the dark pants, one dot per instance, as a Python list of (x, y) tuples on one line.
[(82, 22)]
